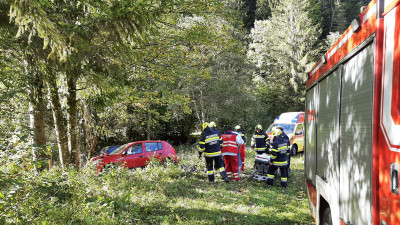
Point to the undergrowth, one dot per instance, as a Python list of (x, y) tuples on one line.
[(157, 194)]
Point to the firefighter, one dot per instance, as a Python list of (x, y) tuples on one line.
[(259, 141), (289, 153), (209, 143), (279, 159), (243, 146), (213, 126), (231, 145)]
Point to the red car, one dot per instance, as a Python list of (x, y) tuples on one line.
[(137, 154)]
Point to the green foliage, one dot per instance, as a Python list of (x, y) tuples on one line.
[(157, 194), (283, 48), (338, 14), (153, 69)]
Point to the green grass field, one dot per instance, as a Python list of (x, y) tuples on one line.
[(247, 202), (157, 194)]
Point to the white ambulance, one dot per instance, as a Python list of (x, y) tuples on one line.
[(293, 125)]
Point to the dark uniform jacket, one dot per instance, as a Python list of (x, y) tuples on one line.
[(242, 135), (210, 143), (259, 141), (286, 139), (279, 150)]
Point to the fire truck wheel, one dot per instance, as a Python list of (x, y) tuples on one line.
[(327, 217), (294, 150)]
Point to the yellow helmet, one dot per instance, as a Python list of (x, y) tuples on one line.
[(276, 132), (237, 127), (258, 127), (212, 124), (205, 125)]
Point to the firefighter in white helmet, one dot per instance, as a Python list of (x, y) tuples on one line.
[(289, 153), (279, 159)]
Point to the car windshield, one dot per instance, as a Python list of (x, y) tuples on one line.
[(119, 150), (287, 127)]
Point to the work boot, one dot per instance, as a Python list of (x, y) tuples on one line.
[(224, 176), (226, 179)]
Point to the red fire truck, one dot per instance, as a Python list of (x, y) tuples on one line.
[(352, 127)]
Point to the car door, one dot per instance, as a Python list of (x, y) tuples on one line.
[(299, 137), (133, 156), (154, 148)]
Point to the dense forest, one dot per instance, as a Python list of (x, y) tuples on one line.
[(76, 76)]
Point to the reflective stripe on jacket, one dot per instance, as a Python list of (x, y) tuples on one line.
[(259, 141), (242, 135), (229, 144), (279, 150), (210, 142)]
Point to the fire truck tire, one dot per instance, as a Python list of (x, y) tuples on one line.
[(294, 150), (327, 217)]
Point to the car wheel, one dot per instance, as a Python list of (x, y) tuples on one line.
[(327, 217), (294, 150)]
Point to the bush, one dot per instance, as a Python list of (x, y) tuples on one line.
[(157, 194)]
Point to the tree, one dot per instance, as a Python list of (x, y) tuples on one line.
[(282, 48), (338, 14), (78, 34), (20, 73)]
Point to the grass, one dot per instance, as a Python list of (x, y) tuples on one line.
[(157, 194)]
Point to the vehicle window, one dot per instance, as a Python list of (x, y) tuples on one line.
[(119, 150), (287, 127), (134, 149), (299, 129), (269, 130), (153, 146)]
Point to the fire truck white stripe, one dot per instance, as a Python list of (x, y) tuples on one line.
[(387, 3), (341, 43), (370, 12), (317, 68), (391, 130)]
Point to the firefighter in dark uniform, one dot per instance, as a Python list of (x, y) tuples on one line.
[(243, 146), (259, 141), (289, 153), (210, 144), (279, 159), (213, 126)]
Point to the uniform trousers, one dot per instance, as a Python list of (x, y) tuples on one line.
[(214, 163), (232, 166), (271, 175)]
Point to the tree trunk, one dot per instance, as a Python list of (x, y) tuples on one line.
[(36, 110), (202, 107), (91, 132), (73, 121), (149, 123), (196, 108), (59, 122)]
